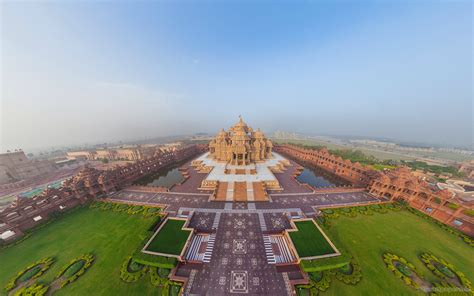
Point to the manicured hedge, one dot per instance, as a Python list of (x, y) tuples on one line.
[(26, 274), (128, 274), (469, 212), (433, 263), (390, 260), (34, 290), (29, 274), (147, 211), (65, 276), (333, 213), (325, 263), (349, 274), (155, 277), (175, 289), (325, 282)]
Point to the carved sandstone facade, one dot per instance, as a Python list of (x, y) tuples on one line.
[(15, 166), (396, 184), (87, 184), (355, 173), (241, 145), (443, 205)]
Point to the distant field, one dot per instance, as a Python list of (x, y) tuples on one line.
[(377, 154), (111, 236), (311, 142), (309, 241), (446, 155), (383, 155), (171, 238)]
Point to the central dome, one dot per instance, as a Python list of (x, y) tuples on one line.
[(240, 145)]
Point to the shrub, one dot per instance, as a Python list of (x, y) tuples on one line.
[(401, 268), (43, 264), (346, 269), (74, 270), (325, 263), (325, 282), (155, 277), (453, 206), (444, 270), (302, 291), (134, 266), (29, 274), (405, 270), (131, 274), (135, 210), (121, 207), (164, 272), (469, 212), (33, 290), (151, 211), (349, 274), (175, 288), (315, 276)]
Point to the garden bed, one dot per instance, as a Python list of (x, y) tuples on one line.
[(170, 239), (310, 241)]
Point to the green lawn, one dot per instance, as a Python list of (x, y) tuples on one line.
[(171, 238), (309, 241), (401, 233), (111, 236)]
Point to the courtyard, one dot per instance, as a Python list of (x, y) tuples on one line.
[(239, 261), (237, 247)]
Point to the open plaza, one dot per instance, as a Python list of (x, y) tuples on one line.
[(236, 221)]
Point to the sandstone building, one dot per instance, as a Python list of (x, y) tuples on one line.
[(241, 145), (15, 166), (131, 153), (89, 183)]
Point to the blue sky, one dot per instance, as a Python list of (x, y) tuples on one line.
[(76, 72)]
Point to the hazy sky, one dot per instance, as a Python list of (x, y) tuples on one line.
[(84, 71)]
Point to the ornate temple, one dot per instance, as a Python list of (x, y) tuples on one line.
[(241, 145)]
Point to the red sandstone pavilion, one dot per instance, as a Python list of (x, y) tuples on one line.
[(88, 184), (396, 184), (241, 165)]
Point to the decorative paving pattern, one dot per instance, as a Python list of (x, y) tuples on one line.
[(239, 263), (239, 246), (276, 222), (239, 282), (202, 221)]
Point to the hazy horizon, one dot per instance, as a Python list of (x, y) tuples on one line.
[(92, 72)]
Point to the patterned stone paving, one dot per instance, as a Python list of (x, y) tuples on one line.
[(238, 263), (202, 222), (276, 222)]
